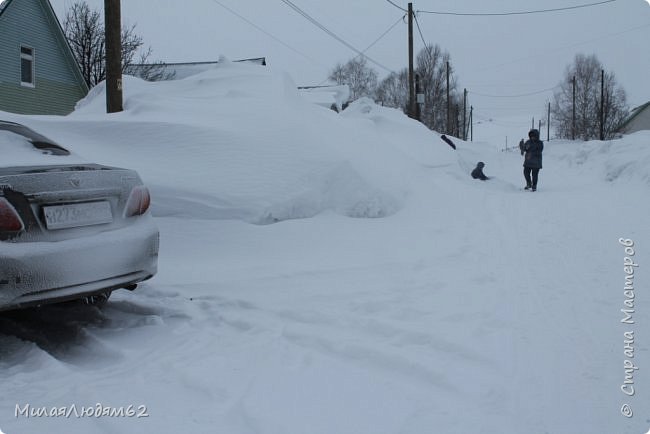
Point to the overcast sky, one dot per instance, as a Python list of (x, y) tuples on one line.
[(497, 58)]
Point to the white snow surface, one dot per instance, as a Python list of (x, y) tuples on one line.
[(325, 273), (16, 151)]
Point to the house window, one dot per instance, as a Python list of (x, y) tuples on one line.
[(26, 66)]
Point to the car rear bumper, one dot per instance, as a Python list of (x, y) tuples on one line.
[(34, 273)]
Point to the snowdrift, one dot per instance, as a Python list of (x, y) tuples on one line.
[(268, 154)]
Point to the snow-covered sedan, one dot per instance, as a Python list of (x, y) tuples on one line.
[(68, 229)]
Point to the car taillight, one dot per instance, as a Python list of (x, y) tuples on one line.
[(9, 219), (138, 202)]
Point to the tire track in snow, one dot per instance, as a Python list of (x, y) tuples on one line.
[(336, 327)]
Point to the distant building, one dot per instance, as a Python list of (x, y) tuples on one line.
[(178, 71), (38, 73), (639, 119)]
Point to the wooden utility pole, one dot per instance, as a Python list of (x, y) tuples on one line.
[(448, 102), (113, 30), (573, 122), (418, 111), (602, 104), (471, 123), (548, 123), (465, 114), (411, 76)]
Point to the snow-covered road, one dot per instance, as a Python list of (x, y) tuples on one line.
[(496, 310), (466, 306)]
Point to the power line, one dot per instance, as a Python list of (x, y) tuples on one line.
[(332, 34), (373, 43), (481, 94), (383, 34), (517, 13), (397, 6), (329, 32), (417, 23), (265, 32), (515, 96)]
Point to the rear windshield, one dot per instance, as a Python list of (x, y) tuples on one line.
[(39, 141)]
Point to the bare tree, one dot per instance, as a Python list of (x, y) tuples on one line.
[(393, 90), (356, 73), (156, 71), (431, 66), (587, 73), (337, 75), (85, 33), (84, 30), (131, 43)]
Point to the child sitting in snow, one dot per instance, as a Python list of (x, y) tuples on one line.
[(477, 173)]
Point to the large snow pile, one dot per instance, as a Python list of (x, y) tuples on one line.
[(265, 154), (395, 294)]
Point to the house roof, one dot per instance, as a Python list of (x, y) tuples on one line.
[(3, 5), (636, 111), (67, 49), (180, 70)]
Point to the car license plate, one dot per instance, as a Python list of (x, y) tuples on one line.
[(77, 214)]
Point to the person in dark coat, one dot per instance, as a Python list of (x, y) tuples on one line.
[(477, 173), (532, 159)]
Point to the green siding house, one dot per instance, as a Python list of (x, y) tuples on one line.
[(38, 74)]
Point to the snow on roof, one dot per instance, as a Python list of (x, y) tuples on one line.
[(181, 70), (636, 111)]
